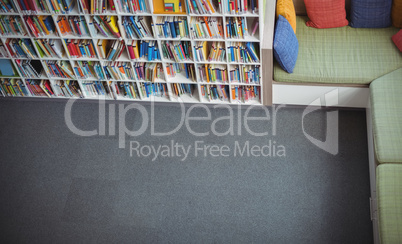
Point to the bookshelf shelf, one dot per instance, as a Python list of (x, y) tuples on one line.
[(132, 47)]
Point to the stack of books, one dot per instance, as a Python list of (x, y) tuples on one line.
[(154, 89), (213, 73), (171, 27), (80, 48), (49, 48), (202, 6), (67, 88), (59, 69), (40, 25), (13, 88), (180, 89), (110, 49), (21, 48), (12, 25), (206, 28), (118, 70), (149, 71), (243, 52), (245, 93), (73, 25), (105, 26), (54, 7), (136, 27), (7, 6), (147, 50), (35, 87), (97, 88), (29, 68), (248, 74), (215, 92), (88, 69), (97, 6), (187, 70), (133, 6), (177, 51), (127, 90), (172, 6)]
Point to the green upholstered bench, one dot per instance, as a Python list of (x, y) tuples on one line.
[(343, 55), (386, 108), (389, 200)]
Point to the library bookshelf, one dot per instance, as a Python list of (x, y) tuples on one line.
[(166, 77)]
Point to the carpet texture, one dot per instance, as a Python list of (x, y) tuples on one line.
[(57, 187)]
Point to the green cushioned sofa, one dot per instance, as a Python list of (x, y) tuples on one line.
[(364, 63)]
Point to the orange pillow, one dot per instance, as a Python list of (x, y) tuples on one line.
[(397, 13), (326, 13), (287, 10)]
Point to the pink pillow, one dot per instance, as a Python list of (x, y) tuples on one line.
[(397, 39), (326, 13)]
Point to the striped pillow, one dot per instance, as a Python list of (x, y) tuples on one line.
[(326, 13)]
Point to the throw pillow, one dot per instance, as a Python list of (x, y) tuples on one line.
[(397, 39), (287, 10), (370, 13), (326, 13), (286, 46)]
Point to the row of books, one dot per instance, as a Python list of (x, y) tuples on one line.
[(217, 51), (241, 6), (127, 90), (246, 74), (180, 89), (188, 71), (202, 6), (3, 50), (213, 73), (40, 25), (73, 25), (243, 52), (136, 27), (119, 71), (13, 88), (147, 50), (154, 89), (133, 6), (29, 68), (245, 93), (67, 88), (88, 69), (106, 26), (49, 48), (20, 48), (171, 27), (177, 51), (97, 6), (206, 27), (59, 69), (215, 92), (149, 71), (172, 6), (48, 6), (7, 6), (98, 88), (12, 25), (110, 49), (83, 48)]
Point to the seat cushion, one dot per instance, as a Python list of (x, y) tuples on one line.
[(342, 55), (386, 108), (389, 200)]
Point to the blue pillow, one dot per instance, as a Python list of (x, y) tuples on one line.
[(286, 46), (370, 13)]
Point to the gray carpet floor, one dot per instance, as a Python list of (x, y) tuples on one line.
[(57, 187)]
